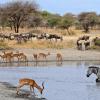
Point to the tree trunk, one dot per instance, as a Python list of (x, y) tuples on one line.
[(17, 29), (68, 31)]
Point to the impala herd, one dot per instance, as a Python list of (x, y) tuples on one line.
[(20, 56)]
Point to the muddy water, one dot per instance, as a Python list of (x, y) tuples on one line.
[(62, 82)]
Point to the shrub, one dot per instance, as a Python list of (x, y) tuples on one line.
[(97, 42)]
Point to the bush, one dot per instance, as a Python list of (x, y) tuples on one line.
[(97, 42), (95, 48)]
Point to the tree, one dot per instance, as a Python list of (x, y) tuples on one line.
[(88, 19), (34, 20), (18, 11), (3, 19), (67, 21), (53, 21)]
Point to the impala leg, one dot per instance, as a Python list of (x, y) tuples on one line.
[(21, 85), (33, 91), (30, 89)]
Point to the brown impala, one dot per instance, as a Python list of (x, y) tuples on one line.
[(31, 83)]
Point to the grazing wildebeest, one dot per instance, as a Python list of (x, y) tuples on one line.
[(54, 36), (86, 41), (94, 70)]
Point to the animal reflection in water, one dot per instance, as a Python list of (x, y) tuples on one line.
[(95, 70), (59, 59)]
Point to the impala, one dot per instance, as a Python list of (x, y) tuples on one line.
[(43, 55), (59, 57), (35, 57), (7, 56), (31, 83)]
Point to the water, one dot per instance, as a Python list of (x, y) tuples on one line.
[(66, 82)]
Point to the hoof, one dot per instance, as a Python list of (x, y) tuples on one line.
[(97, 80)]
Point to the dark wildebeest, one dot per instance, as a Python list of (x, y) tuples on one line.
[(54, 36), (87, 43)]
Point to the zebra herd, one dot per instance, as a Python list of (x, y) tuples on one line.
[(24, 37)]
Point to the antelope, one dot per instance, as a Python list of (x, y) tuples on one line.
[(20, 53), (7, 53), (7, 56), (16, 55), (35, 57), (23, 57), (59, 57), (3, 57), (43, 55), (20, 56), (31, 83)]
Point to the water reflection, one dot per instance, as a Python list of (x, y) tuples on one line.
[(68, 82), (44, 63)]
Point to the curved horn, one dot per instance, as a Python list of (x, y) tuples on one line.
[(42, 85)]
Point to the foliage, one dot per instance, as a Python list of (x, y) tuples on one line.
[(17, 12), (97, 42), (88, 19)]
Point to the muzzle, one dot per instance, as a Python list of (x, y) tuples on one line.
[(87, 75)]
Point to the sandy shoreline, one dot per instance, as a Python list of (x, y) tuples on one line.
[(67, 54), (70, 54)]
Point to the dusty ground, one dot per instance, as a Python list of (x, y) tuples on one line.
[(67, 54)]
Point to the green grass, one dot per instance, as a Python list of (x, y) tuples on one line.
[(95, 48), (97, 42)]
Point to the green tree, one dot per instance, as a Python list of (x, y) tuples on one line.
[(53, 21), (67, 21)]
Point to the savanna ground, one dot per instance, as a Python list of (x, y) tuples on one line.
[(67, 47)]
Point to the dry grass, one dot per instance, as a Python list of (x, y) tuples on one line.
[(68, 42), (42, 44), (4, 45)]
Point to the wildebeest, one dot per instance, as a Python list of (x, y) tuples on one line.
[(94, 70), (54, 36), (84, 39)]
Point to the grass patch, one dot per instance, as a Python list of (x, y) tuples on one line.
[(97, 42), (3, 45), (95, 48)]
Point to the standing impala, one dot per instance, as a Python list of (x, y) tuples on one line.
[(31, 83), (59, 57), (43, 55)]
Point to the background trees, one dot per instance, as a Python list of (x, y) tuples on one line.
[(67, 21), (18, 14), (88, 20)]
